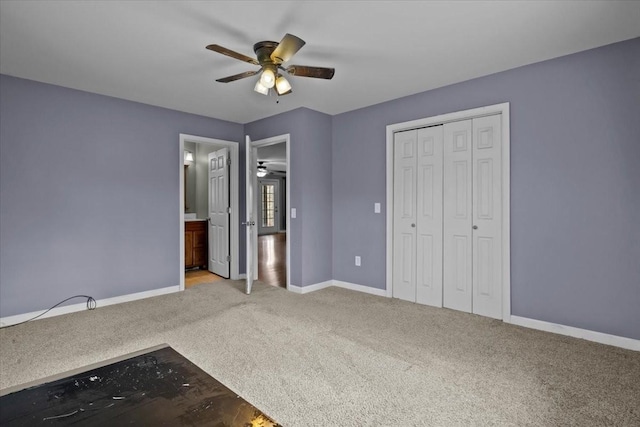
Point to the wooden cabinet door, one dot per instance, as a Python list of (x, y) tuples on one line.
[(200, 247), (188, 249)]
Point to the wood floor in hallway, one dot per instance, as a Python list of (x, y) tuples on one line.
[(272, 259)]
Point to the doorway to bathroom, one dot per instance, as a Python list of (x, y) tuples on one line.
[(208, 210)]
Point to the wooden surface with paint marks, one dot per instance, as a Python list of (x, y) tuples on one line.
[(159, 388)]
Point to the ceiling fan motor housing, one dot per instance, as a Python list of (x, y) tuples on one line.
[(263, 51)]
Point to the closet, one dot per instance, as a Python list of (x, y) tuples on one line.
[(447, 207)]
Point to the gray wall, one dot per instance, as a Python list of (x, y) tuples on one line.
[(88, 189), (575, 178), (190, 184), (282, 183), (88, 194), (310, 165)]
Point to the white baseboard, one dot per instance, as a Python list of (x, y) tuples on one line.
[(18, 318), (310, 288), (585, 334), (338, 284), (599, 337), (360, 288)]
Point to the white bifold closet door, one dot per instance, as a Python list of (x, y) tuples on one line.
[(418, 162), (457, 216), (447, 243), (473, 216)]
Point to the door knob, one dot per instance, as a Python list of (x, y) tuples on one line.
[(475, 227)]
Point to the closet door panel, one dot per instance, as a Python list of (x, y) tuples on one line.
[(457, 237), (404, 215), (429, 216), (487, 217)]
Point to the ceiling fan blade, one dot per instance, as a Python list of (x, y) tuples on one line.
[(238, 76), (233, 54), (287, 47), (316, 72)]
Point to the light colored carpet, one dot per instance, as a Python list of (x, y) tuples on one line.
[(341, 358)]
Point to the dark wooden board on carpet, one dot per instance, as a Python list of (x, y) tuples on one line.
[(157, 388)]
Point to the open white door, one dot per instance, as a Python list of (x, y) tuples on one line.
[(250, 219), (219, 212)]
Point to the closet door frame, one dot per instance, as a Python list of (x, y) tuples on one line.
[(503, 110)]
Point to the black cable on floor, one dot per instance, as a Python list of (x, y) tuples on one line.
[(91, 304)]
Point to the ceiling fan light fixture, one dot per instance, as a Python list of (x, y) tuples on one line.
[(260, 88), (188, 157), (268, 78), (282, 85), (270, 57)]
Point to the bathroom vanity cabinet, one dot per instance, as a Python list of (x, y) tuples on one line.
[(195, 244)]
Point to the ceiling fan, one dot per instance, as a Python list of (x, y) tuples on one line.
[(270, 57)]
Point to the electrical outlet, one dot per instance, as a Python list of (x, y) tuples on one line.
[(293, 212), (358, 261), (376, 208)]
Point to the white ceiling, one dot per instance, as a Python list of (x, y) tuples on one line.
[(154, 52)]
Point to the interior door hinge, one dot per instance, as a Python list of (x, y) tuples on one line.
[(228, 258), (228, 161), (229, 209)]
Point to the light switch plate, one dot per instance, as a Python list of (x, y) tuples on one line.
[(358, 261), (293, 212), (376, 208)]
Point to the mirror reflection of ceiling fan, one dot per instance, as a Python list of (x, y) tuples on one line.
[(270, 57)]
